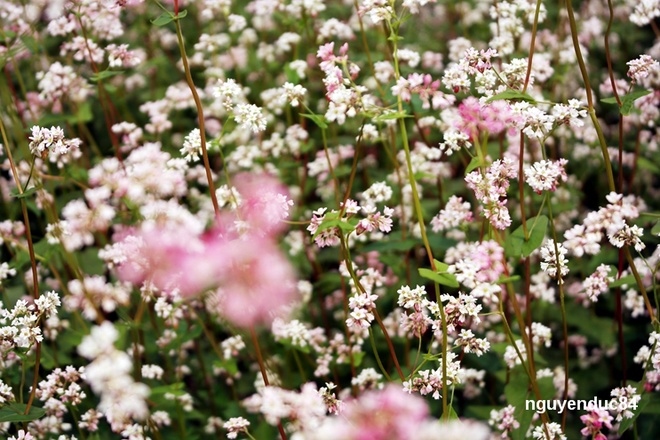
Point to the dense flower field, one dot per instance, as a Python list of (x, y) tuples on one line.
[(339, 219)]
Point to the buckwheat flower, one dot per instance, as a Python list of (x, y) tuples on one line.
[(511, 358), (537, 123), (235, 425), (409, 298), (330, 400), (83, 49), (6, 272), (544, 175), (427, 382), (581, 240), (554, 264), (597, 283), (236, 23), (645, 11), (120, 56), (377, 193), (305, 409), (635, 303), (256, 280), (595, 421), (152, 372), (47, 303), (232, 346), (327, 237), (375, 414), (456, 78), (459, 310), (541, 335), (51, 142), (368, 379), (455, 213), (61, 81), (408, 56), (361, 311), (229, 93), (641, 67), (454, 140), (472, 344), (375, 221), (265, 202), (504, 421), (571, 114), (249, 116), (6, 393), (22, 435), (294, 93), (351, 207), (192, 146), (554, 432), (377, 10), (626, 235), (624, 399), (100, 340)]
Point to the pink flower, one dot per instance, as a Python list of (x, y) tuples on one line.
[(157, 255), (594, 422), (265, 203), (255, 281), (478, 118), (379, 415)]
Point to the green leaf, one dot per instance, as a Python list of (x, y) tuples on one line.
[(446, 279), (167, 17), (513, 95), (318, 120), (28, 193), (105, 74), (474, 164), (163, 19), (451, 413), (629, 99), (440, 266), (15, 412), (391, 115), (516, 245), (627, 280), (655, 230), (517, 392), (358, 358)]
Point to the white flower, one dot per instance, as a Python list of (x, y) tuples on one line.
[(100, 340), (552, 260), (249, 116), (545, 174), (192, 145), (627, 236)]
